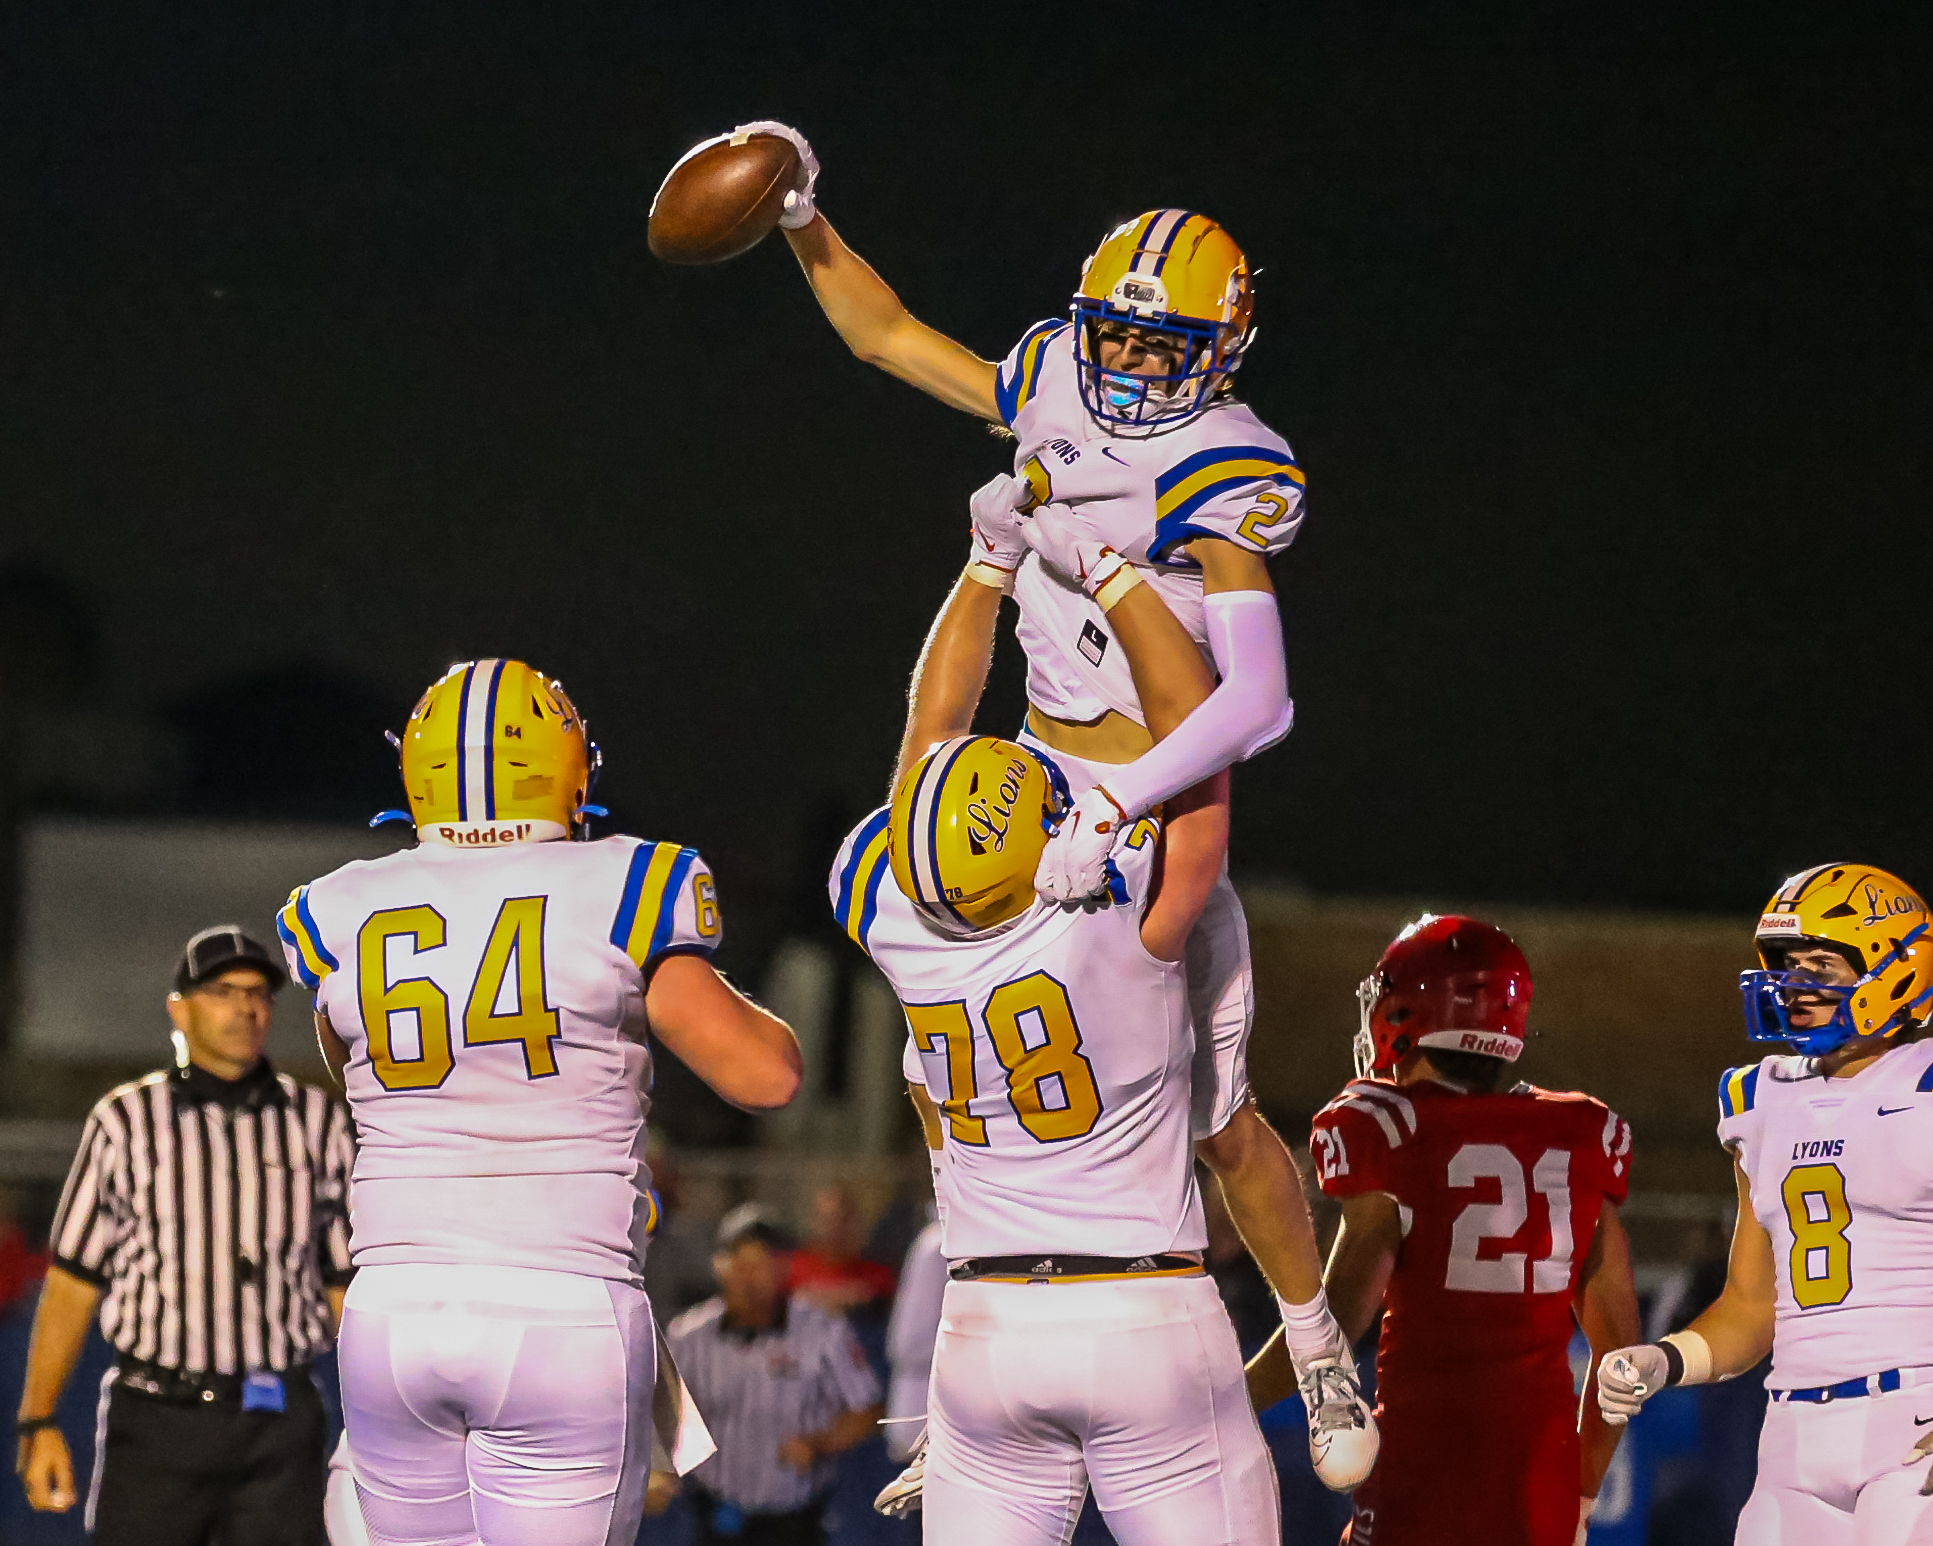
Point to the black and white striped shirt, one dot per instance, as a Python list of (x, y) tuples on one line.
[(213, 1213), (756, 1389)]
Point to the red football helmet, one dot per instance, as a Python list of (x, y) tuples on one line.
[(1449, 982)]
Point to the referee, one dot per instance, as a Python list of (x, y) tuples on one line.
[(206, 1217), (784, 1387)]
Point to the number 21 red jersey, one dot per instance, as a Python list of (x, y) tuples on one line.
[(1500, 1197)]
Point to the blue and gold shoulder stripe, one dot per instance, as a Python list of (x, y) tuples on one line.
[(648, 911), (856, 903), (310, 958), (1019, 374), (1196, 479), (1737, 1091)]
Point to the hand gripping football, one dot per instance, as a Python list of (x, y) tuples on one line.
[(722, 197)]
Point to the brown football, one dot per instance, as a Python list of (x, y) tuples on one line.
[(721, 201)]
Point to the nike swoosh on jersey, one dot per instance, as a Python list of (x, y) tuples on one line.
[(1893, 1111), (1108, 452)]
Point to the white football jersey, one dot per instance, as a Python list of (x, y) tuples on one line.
[(1841, 1172), (1222, 474), (1058, 1052), (493, 1005)]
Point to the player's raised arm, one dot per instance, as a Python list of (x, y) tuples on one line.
[(1248, 711), (1172, 680), (878, 328)]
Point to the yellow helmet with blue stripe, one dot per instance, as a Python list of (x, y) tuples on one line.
[(968, 822), (1876, 923), (495, 752), (1169, 271)]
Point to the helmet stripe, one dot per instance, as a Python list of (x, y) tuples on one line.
[(490, 744), (926, 819), (474, 740), (1152, 250), (1182, 217), (462, 744)]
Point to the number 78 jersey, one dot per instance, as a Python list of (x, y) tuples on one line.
[(1058, 1051), (493, 1006), (1500, 1197)]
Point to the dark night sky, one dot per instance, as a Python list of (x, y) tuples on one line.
[(332, 343)]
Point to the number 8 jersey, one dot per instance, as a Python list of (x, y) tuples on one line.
[(493, 1006), (1058, 1051), (1499, 1197), (1841, 1174)]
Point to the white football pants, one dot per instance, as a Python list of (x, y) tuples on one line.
[(1221, 980), (1134, 1386), (1833, 1474), (497, 1405)]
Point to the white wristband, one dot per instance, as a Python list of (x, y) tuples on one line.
[(1109, 592), (990, 575), (1697, 1354)]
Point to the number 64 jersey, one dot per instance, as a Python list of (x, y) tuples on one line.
[(1841, 1174), (493, 1006)]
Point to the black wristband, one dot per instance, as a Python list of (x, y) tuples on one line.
[(1674, 1362), (26, 1427)]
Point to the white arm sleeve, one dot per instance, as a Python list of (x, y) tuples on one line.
[(1249, 712)]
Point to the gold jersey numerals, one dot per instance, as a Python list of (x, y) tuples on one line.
[(528, 1017), (1817, 1210), (1031, 1024)]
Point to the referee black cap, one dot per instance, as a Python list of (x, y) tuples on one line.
[(214, 951), (748, 1221)]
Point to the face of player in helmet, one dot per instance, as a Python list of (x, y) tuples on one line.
[(1126, 350), (1816, 963)]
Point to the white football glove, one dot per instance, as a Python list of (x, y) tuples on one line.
[(1073, 865), (1626, 1378), (1067, 544), (800, 206), (999, 533)]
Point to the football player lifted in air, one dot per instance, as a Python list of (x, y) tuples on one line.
[(1832, 1256), (485, 999), (1134, 462), (1050, 1054), (1484, 1223)]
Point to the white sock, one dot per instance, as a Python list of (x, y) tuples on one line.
[(1311, 1330)]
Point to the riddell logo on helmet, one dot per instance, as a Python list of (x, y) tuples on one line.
[(1141, 292), (486, 837), (1488, 1045), (1780, 923)]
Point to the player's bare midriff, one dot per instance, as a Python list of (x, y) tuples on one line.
[(1111, 738)]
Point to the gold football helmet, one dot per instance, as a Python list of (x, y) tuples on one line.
[(1169, 271), (1876, 922), (968, 823), (495, 752)]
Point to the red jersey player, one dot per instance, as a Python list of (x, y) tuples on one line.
[(1486, 1225)]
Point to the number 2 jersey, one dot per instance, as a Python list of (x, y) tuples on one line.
[(493, 1006), (1058, 1051), (1500, 1197), (1841, 1175), (1222, 474)]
